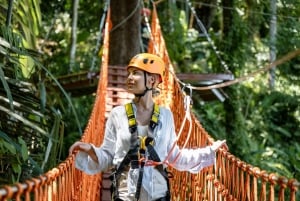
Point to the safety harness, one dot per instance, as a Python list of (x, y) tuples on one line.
[(137, 152)]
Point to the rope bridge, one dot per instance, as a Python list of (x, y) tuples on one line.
[(229, 179)]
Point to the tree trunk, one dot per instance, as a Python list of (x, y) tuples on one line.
[(125, 33)]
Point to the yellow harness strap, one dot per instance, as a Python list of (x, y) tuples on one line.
[(131, 117), (155, 116)]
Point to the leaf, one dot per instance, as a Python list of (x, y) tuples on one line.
[(24, 150), (18, 148), (43, 95), (282, 131), (51, 147), (10, 147), (278, 167), (16, 168), (25, 121), (6, 88)]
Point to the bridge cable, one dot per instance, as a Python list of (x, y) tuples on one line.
[(210, 41)]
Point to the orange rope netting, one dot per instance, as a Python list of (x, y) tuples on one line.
[(229, 179)]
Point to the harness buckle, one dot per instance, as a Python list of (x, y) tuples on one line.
[(144, 142)]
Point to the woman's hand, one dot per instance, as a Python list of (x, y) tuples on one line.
[(219, 144), (84, 147)]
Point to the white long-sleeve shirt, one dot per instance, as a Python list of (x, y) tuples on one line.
[(116, 144)]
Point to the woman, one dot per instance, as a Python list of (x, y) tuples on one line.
[(140, 140)]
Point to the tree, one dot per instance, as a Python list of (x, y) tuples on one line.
[(125, 33)]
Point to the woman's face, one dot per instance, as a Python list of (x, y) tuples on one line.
[(135, 80)]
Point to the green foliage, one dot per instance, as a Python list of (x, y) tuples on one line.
[(13, 154), (261, 126), (40, 146), (58, 31), (29, 20), (211, 116), (278, 112), (173, 21)]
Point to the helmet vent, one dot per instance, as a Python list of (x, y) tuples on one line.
[(145, 61)]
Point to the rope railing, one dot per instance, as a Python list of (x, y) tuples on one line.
[(230, 179)]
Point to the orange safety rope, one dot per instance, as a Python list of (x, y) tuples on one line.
[(230, 179)]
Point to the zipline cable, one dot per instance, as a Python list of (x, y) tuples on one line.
[(210, 41)]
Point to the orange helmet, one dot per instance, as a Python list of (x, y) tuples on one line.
[(148, 62)]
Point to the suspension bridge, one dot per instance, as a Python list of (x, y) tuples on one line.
[(229, 179)]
